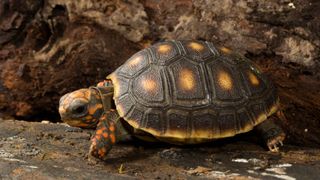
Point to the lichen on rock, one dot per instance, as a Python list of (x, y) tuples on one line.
[(297, 50)]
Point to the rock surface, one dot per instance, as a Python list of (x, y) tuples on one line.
[(56, 151)]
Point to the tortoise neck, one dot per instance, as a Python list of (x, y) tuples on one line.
[(106, 94)]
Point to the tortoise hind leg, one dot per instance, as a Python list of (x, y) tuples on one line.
[(272, 134)]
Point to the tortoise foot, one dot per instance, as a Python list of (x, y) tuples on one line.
[(275, 142), (97, 152), (271, 134)]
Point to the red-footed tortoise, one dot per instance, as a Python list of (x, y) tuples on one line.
[(180, 92)]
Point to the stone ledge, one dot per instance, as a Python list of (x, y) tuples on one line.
[(31, 150)]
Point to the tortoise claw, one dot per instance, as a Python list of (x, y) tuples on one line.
[(273, 148), (275, 142), (281, 143), (96, 152)]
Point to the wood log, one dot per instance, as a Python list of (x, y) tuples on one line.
[(56, 56)]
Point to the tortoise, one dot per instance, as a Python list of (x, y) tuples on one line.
[(179, 92)]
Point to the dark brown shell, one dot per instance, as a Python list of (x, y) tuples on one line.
[(191, 91)]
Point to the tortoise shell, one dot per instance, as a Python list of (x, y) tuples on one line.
[(190, 90)]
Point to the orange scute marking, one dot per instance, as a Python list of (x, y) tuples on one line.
[(253, 79), (149, 84), (135, 61), (225, 80), (196, 46), (164, 48), (225, 50), (186, 79), (112, 138)]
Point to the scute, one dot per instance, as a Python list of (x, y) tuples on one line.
[(188, 84), (124, 105), (253, 81), (148, 87), (165, 52), (178, 124), (258, 112), (135, 64), (225, 81), (136, 115), (204, 122), (244, 121), (227, 124), (153, 120), (199, 50), (188, 91)]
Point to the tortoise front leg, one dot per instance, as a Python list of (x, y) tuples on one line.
[(272, 134), (109, 131)]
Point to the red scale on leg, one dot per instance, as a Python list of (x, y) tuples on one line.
[(104, 137)]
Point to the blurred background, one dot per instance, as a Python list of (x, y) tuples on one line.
[(51, 47)]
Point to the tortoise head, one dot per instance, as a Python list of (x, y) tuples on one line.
[(84, 107)]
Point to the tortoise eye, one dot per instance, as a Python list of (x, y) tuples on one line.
[(80, 110)]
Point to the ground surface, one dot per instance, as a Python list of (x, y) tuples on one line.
[(30, 150)]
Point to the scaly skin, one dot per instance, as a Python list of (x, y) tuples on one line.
[(105, 135)]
